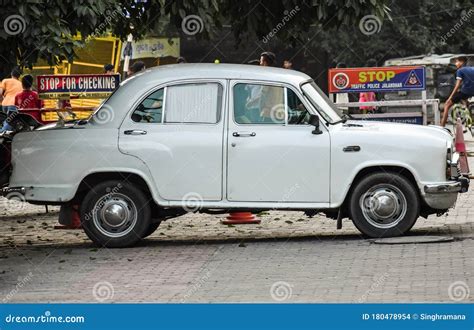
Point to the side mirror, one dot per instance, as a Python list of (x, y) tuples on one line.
[(314, 121)]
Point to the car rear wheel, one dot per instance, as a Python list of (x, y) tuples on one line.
[(115, 214), (384, 205)]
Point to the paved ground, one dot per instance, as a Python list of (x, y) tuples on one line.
[(288, 257), (194, 258)]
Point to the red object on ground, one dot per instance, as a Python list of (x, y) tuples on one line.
[(76, 220), (240, 218), (460, 146)]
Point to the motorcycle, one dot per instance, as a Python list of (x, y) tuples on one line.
[(20, 122)]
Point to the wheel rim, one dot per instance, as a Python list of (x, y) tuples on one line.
[(383, 206), (114, 215)]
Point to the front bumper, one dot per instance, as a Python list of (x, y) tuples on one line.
[(442, 196)]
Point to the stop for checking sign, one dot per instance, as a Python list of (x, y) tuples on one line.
[(78, 85), (376, 79)]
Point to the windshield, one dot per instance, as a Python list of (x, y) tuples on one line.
[(326, 108)]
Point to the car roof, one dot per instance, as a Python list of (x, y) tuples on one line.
[(218, 71)]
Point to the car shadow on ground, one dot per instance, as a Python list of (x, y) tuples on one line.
[(356, 239)]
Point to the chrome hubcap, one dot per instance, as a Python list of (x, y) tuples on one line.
[(114, 215), (383, 206)]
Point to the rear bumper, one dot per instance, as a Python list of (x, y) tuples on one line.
[(41, 194), (443, 196)]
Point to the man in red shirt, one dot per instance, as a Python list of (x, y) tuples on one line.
[(28, 99)]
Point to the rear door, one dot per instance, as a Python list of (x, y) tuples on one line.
[(177, 131)]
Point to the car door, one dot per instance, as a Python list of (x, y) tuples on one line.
[(177, 131), (272, 154)]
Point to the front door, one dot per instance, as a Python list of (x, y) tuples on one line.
[(272, 154), (177, 131)]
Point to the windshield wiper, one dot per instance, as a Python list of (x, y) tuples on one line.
[(345, 117)]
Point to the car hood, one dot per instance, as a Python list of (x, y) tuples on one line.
[(389, 128)]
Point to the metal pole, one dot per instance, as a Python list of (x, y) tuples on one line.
[(435, 106), (424, 107)]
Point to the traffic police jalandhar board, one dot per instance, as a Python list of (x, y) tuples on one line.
[(381, 79), (77, 85)]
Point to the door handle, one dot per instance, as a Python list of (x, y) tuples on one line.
[(134, 132), (244, 134)]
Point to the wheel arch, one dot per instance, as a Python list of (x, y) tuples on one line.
[(95, 178), (397, 169)]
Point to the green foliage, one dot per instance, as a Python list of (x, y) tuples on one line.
[(415, 27), (49, 25)]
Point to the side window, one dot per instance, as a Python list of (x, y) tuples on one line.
[(297, 112), (151, 109), (264, 104), (193, 103), (259, 104)]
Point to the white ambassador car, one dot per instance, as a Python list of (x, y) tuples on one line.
[(217, 137)]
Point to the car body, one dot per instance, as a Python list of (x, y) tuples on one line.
[(226, 137)]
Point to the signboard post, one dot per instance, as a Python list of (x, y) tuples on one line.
[(384, 79), (92, 86)]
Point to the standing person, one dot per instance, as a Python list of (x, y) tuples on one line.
[(135, 68), (288, 64), (109, 69), (267, 59), (464, 88), (368, 96), (28, 99), (8, 90)]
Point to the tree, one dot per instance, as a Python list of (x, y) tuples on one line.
[(45, 30), (415, 27)]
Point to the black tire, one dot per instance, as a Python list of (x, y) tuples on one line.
[(151, 229), (115, 214), (384, 205)]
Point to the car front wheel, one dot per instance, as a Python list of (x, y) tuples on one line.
[(384, 205), (115, 214)]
